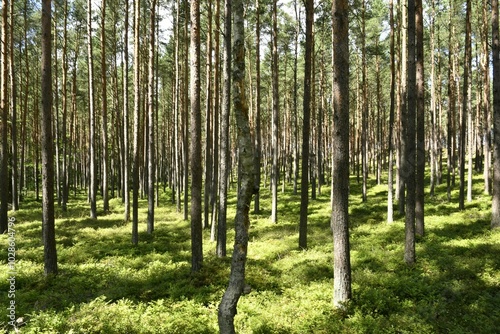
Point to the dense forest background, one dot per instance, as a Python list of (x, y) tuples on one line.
[(186, 106)]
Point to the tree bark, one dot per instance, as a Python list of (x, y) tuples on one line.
[(151, 120), (304, 184), (4, 169), (104, 111), (258, 130), (340, 157), (93, 150), (48, 221), (195, 149), (224, 140), (137, 106), (465, 109), (275, 117), (126, 155), (495, 207), (227, 307), (420, 115), (410, 158), (390, 210)]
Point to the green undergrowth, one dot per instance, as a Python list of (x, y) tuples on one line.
[(107, 285)]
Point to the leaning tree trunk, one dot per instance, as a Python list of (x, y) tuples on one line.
[(227, 307)]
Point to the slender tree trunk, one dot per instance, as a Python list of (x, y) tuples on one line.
[(4, 169), (224, 140), (151, 120), (137, 106), (104, 111), (495, 207), (465, 109), (295, 95), (185, 111), (13, 109), (275, 117), (195, 130), (403, 113), (227, 307), (65, 167), (215, 179), (390, 211), (258, 130), (409, 254), (126, 155), (48, 221), (304, 184), (340, 157), (364, 108), (485, 65), (208, 121), (420, 115), (93, 150)]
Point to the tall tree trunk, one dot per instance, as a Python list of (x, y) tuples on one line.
[(65, 174), (151, 120), (390, 211), (340, 156), (434, 142), (4, 168), (185, 111), (126, 155), (465, 109), (104, 111), (295, 95), (409, 254), (304, 182), (495, 207), (403, 111), (258, 130), (137, 106), (93, 150), (215, 179), (227, 307), (275, 117), (485, 65), (13, 110), (420, 115), (195, 149), (224, 140), (48, 221), (364, 108), (208, 122)]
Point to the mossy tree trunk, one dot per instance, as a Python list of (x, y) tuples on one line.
[(227, 307)]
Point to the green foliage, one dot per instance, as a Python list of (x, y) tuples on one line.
[(107, 285)]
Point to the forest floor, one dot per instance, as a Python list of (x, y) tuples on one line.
[(107, 285)]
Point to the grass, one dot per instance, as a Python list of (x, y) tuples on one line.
[(107, 285)]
